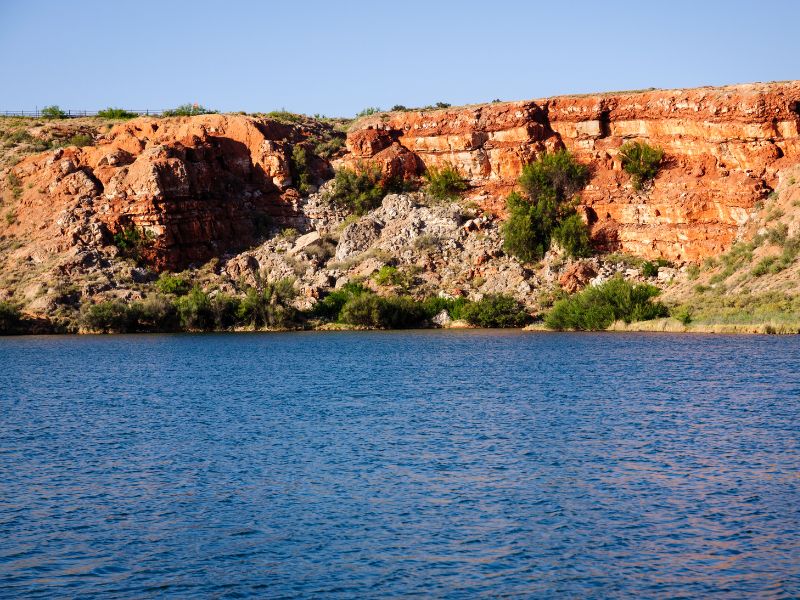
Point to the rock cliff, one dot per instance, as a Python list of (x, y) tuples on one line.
[(196, 186), (724, 148)]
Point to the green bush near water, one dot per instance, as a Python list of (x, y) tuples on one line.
[(10, 318), (597, 307), (495, 310)]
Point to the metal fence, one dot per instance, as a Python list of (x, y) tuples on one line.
[(73, 114)]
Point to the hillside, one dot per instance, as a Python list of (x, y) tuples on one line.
[(95, 211)]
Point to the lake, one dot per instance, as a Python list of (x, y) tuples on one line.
[(454, 464)]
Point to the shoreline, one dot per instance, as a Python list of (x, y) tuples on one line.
[(663, 325)]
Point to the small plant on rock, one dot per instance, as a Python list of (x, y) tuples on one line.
[(641, 161), (444, 182)]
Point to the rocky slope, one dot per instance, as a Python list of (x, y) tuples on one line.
[(213, 193), (725, 148)]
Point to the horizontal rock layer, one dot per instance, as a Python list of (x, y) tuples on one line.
[(724, 148), (196, 186)]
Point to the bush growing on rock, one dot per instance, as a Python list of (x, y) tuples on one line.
[(131, 241), (495, 310), (360, 190), (173, 284), (641, 161), (573, 236), (546, 208), (301, 172), (599, 306), (444, 183)]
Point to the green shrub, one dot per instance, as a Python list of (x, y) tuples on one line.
[(597, 307), (573, 236), (444, 183), (10, 318), (79, 139), (682, 314), (156, 313), (269, 306), (16, 185), (131, 241), (173, 284), (641, 161), (495, 310), (649, 269), (194, 310), (360, 190), (371, 310), (284, 116), (301, 171), (370, 110), (327, 148), (693, 272), (116, 113), (548, 186), (225, 309), (112, 316), (188, 110), (454, 306), (331, 305), (53, 112), (387, 275)]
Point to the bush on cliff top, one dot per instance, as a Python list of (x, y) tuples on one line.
[(546, 208), (641, 161), (597, 307), (53, 112), (188, 110), (116, 113)]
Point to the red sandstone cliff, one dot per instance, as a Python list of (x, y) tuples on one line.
[(202, 186), (198, 186), (724, 147)]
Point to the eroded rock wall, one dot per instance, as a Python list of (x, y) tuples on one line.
[(724, 149), (197, 186)]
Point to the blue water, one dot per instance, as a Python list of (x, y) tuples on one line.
[(392, 464)]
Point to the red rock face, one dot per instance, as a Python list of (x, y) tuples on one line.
[(198, 185), (724, 147)]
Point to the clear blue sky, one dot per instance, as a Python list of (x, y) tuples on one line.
[(336, 58)]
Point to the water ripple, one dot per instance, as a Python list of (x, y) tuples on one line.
[(400, 464)]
